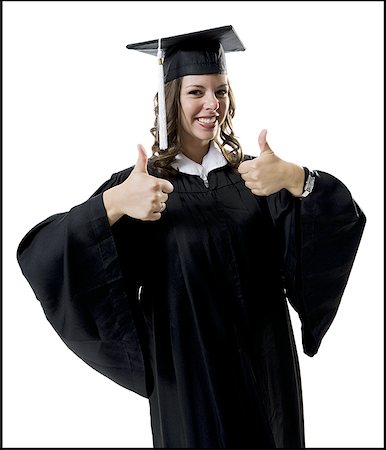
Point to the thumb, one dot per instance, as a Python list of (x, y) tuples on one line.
[(141, 164), (264, 147)]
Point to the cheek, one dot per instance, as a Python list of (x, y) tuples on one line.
[(223, 110), (184, 120), (185, 125), (186, 112)]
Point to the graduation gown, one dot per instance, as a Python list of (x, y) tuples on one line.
[(191, 311)]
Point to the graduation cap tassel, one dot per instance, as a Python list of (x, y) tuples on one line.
[(162, 129)]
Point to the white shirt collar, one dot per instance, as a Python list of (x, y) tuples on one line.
[(212, 160)]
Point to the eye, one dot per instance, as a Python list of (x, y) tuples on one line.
[(222, 93), (195, 92)]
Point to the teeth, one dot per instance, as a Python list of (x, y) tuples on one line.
[(205, 120)]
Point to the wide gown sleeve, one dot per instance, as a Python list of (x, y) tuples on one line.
[(72, 264), (320, 235)]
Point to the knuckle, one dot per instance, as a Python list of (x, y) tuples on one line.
[(154, 186), (158, 185)]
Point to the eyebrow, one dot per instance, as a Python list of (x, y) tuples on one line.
[(203, 87)]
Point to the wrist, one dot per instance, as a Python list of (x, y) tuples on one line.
[(111, 203), (296, 179)]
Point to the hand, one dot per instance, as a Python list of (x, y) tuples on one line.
[(140, 196), (268, 173)]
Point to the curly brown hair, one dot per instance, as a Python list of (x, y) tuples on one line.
[(162, 159)]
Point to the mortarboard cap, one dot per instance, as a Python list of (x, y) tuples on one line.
[(198, 53)]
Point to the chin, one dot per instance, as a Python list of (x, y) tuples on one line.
[(202, 137), (206, 135)]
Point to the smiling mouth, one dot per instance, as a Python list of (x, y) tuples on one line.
[(207, 119), (207, 122)]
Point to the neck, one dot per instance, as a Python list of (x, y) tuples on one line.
[(197, 151)]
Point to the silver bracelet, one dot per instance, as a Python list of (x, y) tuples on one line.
[(309, 186)]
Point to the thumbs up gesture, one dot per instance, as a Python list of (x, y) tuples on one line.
[(140, 196), (268, 174)]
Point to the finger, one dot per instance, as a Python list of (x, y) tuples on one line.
[(164, 197), (251, 185), (241, 169), (161, 208), (141, 164), (247, 177), (245, 166), (154, 216), (264, 147), (167, 187)]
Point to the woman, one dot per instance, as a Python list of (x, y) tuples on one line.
[(206, 333)]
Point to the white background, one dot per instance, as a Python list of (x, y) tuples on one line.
[(76, 103)]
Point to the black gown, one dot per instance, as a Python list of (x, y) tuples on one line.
[(191, 311)]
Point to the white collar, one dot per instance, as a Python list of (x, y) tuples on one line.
[(212, 160)]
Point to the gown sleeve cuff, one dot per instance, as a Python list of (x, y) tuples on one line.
[(104, 236)]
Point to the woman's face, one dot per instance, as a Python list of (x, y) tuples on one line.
[(204, 105)]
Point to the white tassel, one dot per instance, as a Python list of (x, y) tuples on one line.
[(162, 129)]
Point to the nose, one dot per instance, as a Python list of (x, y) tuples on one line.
[(211, 102)]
